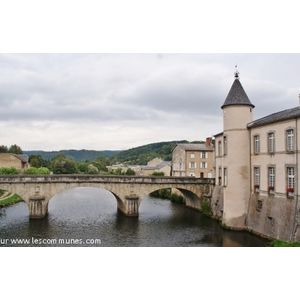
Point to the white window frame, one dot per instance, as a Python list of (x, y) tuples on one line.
[(290, 177), (290, 140), (193, 165), (203, 155), (257, 176), (225, 171), (220, 148), (256, 140), (203, 165), (225, 142), (271, 142), (271, 175)]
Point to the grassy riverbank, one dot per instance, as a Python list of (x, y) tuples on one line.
[(166, 194), (10, 200), (277, 243)]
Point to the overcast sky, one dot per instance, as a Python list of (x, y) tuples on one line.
[(120, 101)]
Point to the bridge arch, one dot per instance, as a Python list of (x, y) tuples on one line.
[(76, 198), (191, 196)]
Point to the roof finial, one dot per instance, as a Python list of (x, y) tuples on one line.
[(236, 73)]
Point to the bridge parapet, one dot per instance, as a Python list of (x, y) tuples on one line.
[(104, 179)]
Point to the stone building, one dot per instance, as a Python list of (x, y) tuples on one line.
[(193, 160), (256, 165), (155, 165), (18, 161)]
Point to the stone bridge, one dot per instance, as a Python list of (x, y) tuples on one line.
[(37, 190)]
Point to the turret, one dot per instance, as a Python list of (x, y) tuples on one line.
[(237, 112)]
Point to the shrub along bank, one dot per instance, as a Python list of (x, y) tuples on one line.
[(10, 200)]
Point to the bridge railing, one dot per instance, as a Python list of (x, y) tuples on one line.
[(103, 179)]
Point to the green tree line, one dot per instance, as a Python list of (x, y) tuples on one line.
[(62, 163)]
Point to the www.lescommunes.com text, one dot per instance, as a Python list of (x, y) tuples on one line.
[(41, 241)]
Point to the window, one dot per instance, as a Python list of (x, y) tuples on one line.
[(203, 165), (220, 148), (220, 176), (272, 177), (203, 155), (290, 141), (256, 144), (192, 155), (290, 177), (225, 176), (192, 165), (257, 176), (271, 140), (225, 145)]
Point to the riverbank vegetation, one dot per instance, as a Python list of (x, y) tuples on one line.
[(205, 207), (10, 200), (167, 194), (8, 171), (278, 243)]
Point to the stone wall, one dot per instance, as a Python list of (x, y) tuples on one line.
[(272, 216)]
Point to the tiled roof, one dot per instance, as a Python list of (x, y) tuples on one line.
[(287, 114), (195, 147), (23, 157), (237, 95), (157, 167)]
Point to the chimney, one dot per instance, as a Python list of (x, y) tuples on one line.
[(208, 140)]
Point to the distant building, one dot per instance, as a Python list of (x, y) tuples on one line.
[(155, 165), (193, 160), (18, 161)]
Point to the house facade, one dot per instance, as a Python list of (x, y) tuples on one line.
[(155, 165), (256, 165), (18, 161), (195, 160)]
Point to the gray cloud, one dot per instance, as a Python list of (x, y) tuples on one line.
[(119, 101)]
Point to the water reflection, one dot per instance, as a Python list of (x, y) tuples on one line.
[(91, 214)]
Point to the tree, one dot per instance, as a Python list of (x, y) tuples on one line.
[(37, 161), (83, 166), (15, 149), (118, 171), (101, 162), (62, 164), (129, 172), (92, 169), (3, 149)]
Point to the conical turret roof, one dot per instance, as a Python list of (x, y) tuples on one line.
[(237, 95)]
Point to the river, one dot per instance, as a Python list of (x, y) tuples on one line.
[(89, 217)]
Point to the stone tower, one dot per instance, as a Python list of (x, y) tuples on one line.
[(237, 113)]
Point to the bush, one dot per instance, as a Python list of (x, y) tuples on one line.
[(8, 171), (205, 207), (278, 243), (33, 170), (157, 174), (176, 198)]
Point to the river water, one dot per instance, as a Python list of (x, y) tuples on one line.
[(89, 217)]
